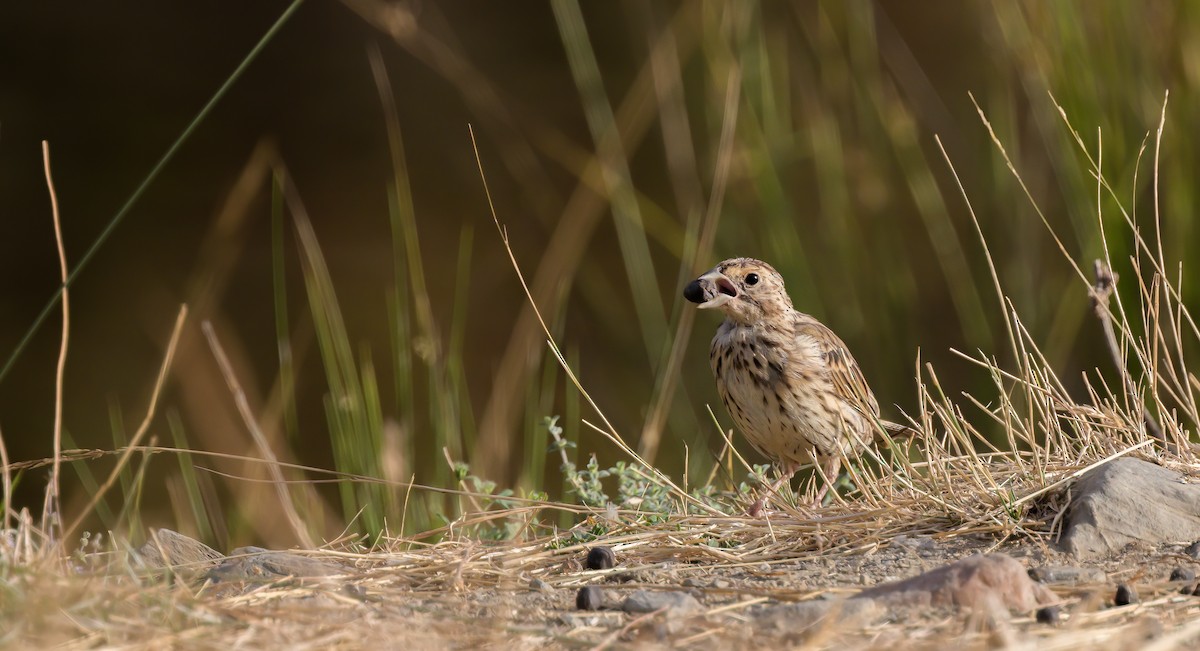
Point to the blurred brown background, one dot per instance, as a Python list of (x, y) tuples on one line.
[(834, 177)]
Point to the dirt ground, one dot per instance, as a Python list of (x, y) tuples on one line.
[(474, 597)]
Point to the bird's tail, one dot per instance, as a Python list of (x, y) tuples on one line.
[(891, 431)]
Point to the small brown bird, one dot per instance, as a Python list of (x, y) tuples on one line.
[(789, 382)]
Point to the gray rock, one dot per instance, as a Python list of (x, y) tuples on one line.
[(1068, 574), (589, 597), (1130, 500), (646, 601), (1193, 550), (538, 585), (1182, 574)]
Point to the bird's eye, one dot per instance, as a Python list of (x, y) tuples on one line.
[(751, 279)]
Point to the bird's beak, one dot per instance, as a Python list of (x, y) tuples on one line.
[(712, 289)]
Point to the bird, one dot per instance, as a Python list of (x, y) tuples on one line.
[(789, 382)]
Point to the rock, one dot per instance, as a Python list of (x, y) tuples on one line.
[(1183, 574), (798, 617), (1193, 550), (1129, 500), (1068, 574), (647, 601), (1126, 595), (589, 597), (1049, 615), (601, 558), (978, 582), (538, 585)]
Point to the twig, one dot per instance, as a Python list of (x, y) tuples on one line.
[(7, 479), (51, 515), (1106, 283), (243, 406)]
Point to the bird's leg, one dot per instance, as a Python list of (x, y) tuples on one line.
[(830, 468), (785, 473)]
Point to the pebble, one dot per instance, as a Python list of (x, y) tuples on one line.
[(1049, 615), (646, 601), (601, 558), (1193, 549), (1067, 574), (1126, 595), (1183, 574), (589, 597), (540, 585), (1196, 590)]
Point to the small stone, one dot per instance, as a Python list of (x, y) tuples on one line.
[(1196, 590), (539, 585), (589, 597), (1193, 550), (601, 558), (722, 584), (1183, 574), (692, 582), (1126, 595), (1049, 615), (1188, 589), (646, 601), (1068, 574)]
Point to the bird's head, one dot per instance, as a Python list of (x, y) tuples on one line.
[(746, 290)]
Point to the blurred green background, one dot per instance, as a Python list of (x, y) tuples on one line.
[(628, 146)]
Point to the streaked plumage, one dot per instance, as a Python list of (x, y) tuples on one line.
[(790, 383)]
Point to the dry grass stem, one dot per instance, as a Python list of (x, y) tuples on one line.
[(51, 510)]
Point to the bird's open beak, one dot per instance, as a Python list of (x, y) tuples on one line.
[(712, 289)]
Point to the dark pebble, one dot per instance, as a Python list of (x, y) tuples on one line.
[(1193, 549), (1196, 590), (589, 597), (1049, 615), (601, 558), (1125, 595), (1183, 574), (1188, 589)]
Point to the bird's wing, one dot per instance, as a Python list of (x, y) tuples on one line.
[(841, 368)]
